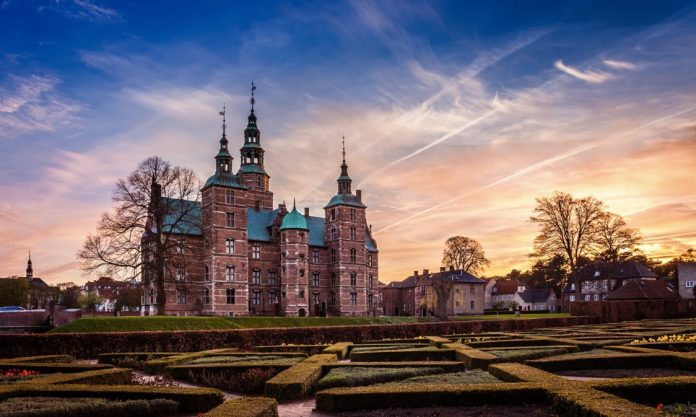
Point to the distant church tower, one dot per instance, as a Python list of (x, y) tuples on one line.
[(30, 270)]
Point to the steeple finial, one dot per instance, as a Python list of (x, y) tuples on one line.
[(293, 203), (224, 124), (343, 142), (253, 100)]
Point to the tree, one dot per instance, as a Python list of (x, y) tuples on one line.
[(464, 253), (567, 226), (68, 294), (129, 297), (443, 289), (615, 240), (548, 273), (89, 301), (134, 239), (14, 291)]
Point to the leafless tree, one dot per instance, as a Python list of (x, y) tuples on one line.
[(443, 289), (567, 226), (464, 253), (140, 237), (615, 238)]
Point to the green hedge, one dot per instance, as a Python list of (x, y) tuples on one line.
[(85, 407), (437, 340), (117, 358), (246, 407), (49, 368), (40, 359), (473, 358), (608, 361), (189, 399), (307, 349), (155, 366), (247, 378), (299, 380), (114, 376), (448, 366), (353, 376), (651, 391), (339, 349), (427, 395), (417, 354), (529, 352)]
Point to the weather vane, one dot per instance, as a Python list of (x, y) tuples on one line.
[(222, 113), (343, 142), (253, 100)]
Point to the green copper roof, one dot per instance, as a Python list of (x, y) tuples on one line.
[(345, 200), (223, 153), (224, 180), (252, 145), (251, 169), (294, 220)]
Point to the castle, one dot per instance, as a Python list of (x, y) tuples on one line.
[(247, 257)]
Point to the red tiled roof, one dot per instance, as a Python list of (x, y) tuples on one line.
[(644, 289), (506, 286)]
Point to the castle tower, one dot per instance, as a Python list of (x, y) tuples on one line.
[(224, 223), (30, 270), (345, 230), (294, 264), (251, 171)]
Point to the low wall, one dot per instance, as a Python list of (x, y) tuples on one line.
[(88, 345), (616, 311), (32, 319)]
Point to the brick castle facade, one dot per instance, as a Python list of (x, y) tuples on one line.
[(244, 256)]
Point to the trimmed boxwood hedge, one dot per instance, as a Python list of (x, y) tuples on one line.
[(299, 380), (86, 407), (340, 349), (403, 355), (306, 349), (116, 376), (427, 395), (608, 361), (49, 368), (247, 378), (246, 407), (651, 391), (473, 358), (189, 399), (448, 366), (89, 345), (40, 359)]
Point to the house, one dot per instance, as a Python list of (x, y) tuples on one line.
[(417, 295), (686, 278), (536, 299), (644, 289), (108, 290), (598, 279), (502, 293)]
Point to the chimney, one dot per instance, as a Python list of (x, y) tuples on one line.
[(306, 211), (415, 273), (257, 205), (442, 269), (451, 267), (358, 193), (425, 271)]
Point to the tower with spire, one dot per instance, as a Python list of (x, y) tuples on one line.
[(30, 270)]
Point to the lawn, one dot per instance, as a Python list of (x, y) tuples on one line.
[(171, 323)]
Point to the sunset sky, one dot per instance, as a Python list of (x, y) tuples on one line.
[(457, 115)]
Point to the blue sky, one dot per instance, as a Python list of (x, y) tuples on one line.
[(456, 114)]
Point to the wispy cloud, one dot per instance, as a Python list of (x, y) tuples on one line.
[(86, 10), (594, 77), (622, 65)]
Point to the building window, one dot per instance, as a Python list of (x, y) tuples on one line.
[(315, 256), (473, 305), (256, 276), (354, 298), (353, 233), (256, 251), (334, 233), (353, 255), (333, 255), (207, 273), (229, 196), (333, 214), (370, 280), (259, 181), (472, 289), (300, 294), (180, 274), (588, 297), (272, 298), (230, 295), (206, 296), (181, 296), (571, 298), (352, 214), (572, 287), (301, 272), (689, 284), (333, 298), (422, 289), (315, 279), (333, 278), (369, 260), (354, 278), (229, 246), (596, 297), (230, 219), (272, 274), (229, 273), (256, 298), (369, 300), (181, 248), (315, 298)]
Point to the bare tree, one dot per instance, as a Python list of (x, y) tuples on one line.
[(567, 226), (615, 239), (140, 237), (464, 253), (443, 289)]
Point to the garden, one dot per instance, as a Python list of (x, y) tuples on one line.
[(631, 369)]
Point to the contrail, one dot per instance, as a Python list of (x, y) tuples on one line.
[(536, 166)]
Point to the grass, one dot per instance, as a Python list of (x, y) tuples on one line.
[(475, 376), (349, 376), (83, 407), (172, 323)]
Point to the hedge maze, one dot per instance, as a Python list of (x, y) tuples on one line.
[(631, 369)]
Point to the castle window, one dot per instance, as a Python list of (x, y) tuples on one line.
[(353, 255), (334, 233), (181, 296), (354, 298), (272, 274), (353, 278), (229, 246), (315, 279), (302, 240), (315, 298), (333, 278), (333, 255), (315, 256), (256, 251), (333, 298), (229, 196), (352, 214), (229, 293), (369, 260), (333, 214), (272, 297), (256, 276), (180, 274), (229, 273), (230, 219), (300, 294), (369, 300), (352, 233), (473, 304), (206, 296), (301, 272), (259, 181), (207, 273), (181, 248), (256, 298), (370, 280)]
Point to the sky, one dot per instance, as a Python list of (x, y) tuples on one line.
[(457, 115)]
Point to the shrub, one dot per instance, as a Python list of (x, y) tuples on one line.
[(339, 349), (447, 366), (473, 358), (401, 355), (40, 359), (248, 378), (520, 354), (98, 377), (84, 407), (47, 368), (283, 360), (610, 361), (299, 380), (466, 377), (349, 376), (307, 349), (245, 407)]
